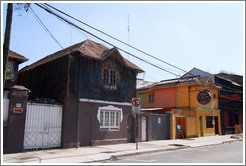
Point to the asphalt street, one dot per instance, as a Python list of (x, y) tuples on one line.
[(222, 153)]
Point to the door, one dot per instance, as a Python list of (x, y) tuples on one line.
[(144, 129), (160, 126), (130, 129), (216, 125), (43, 126), (201, 126), (85, 129)]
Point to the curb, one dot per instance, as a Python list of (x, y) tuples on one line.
[(116, 157)]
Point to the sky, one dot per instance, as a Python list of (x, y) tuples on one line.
[(206, 35)]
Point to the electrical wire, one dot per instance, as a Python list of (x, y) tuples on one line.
[(60, 17), (114, 38), (72, 24), (45, 28), (177, 75)]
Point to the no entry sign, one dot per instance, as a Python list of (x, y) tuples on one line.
[(136, 105)]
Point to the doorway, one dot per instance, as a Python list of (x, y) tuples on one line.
[(201, 125), (144, 129), (216, 125), (130, 129)]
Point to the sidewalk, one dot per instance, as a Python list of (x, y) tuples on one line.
[(106, 152)]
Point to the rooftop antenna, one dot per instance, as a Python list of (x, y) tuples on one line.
[(71, 36), (128, 36)]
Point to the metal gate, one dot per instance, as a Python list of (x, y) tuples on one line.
[(43, 126), (130, 129), (160, 126)]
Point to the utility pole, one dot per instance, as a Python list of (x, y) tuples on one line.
[(7, 38)]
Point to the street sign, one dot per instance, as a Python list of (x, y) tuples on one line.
[(136, 105)]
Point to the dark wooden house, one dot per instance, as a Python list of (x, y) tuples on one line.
[(230, 102), (95, 85)]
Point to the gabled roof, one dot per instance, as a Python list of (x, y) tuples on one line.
[(234, 78), (189, 73), (17, 56), (89, 49), (179, 82)]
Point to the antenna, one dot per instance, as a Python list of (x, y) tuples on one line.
[(71, 36), (128, 35)]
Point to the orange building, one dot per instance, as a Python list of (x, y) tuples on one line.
[(193, 103)]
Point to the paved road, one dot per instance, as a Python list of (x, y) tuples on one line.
[(222, 153)]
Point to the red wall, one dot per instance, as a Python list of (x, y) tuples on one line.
[(227, 118), (165, 97), (241, 119)]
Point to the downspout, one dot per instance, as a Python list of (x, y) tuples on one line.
[(68, 80), (189, 98), (78, 93)]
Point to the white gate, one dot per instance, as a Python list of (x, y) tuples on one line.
[(43, 126)]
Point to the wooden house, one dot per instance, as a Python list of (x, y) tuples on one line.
[(95, 86)]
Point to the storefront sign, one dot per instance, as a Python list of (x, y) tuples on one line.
[(204, 97)]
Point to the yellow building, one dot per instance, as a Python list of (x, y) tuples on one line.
[(193, 103)]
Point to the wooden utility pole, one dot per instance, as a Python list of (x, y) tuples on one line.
[(7, 38)]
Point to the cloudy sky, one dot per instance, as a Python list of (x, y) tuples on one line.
[(208, 36)]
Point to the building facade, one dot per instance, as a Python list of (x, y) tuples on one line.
[(230, 98), (193, 103), (95, 86)]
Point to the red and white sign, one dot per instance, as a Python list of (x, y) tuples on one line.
[(136, 105), (136, 102)]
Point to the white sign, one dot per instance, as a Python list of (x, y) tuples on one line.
[(159, 120), (18, 105), (136, 105)]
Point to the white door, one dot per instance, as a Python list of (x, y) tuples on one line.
[(43, 126), (144, 129)]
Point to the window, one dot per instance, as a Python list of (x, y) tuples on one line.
[(10, 71), (110, 118), (209, 122), (110, 79), (151, 98)]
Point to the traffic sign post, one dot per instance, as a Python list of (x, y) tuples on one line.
[(136, 108)]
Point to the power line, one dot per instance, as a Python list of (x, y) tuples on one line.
[(42, 24), (115, 38), (70, 23), (60, 17), (47, 5)]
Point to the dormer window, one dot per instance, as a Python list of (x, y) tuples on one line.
[(109, 79)]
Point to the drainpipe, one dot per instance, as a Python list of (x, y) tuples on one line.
[(78, 112), (189, 98)]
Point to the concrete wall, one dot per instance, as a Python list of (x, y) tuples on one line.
[(14, 127)]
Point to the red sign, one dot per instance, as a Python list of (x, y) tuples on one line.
[(18, 110), (136, 102)]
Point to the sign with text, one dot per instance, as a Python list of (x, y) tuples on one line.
[(204, 97), (136, 105)]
